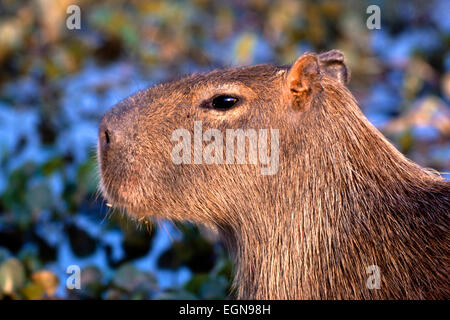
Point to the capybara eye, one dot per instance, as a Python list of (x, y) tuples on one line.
[(224, 102)]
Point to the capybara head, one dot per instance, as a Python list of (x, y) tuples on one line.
[(304, 191), (202, 147)]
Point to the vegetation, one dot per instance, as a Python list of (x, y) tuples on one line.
[(55, 84)]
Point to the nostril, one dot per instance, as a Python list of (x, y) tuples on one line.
[(107, 138), (107, 132)]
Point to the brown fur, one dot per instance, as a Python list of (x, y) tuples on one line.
[(343, 198)]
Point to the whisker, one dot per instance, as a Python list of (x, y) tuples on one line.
[(168, 233)]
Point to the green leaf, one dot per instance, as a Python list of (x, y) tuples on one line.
[(129, 278), (33, 291), (12, 276), (52, 165)]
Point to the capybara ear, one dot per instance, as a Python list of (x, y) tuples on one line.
[(304, 77), (332, 63)]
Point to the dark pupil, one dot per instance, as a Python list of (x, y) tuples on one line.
[(224, 102)]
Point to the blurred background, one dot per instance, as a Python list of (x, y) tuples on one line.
[(55, 84)]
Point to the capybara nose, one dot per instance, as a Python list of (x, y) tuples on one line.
[(110, 131), (115, 128), (106, 135)]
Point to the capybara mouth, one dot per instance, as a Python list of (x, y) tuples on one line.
[(122, 196), (115, 200)]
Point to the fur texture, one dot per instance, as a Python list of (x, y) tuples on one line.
[(343, 198)]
